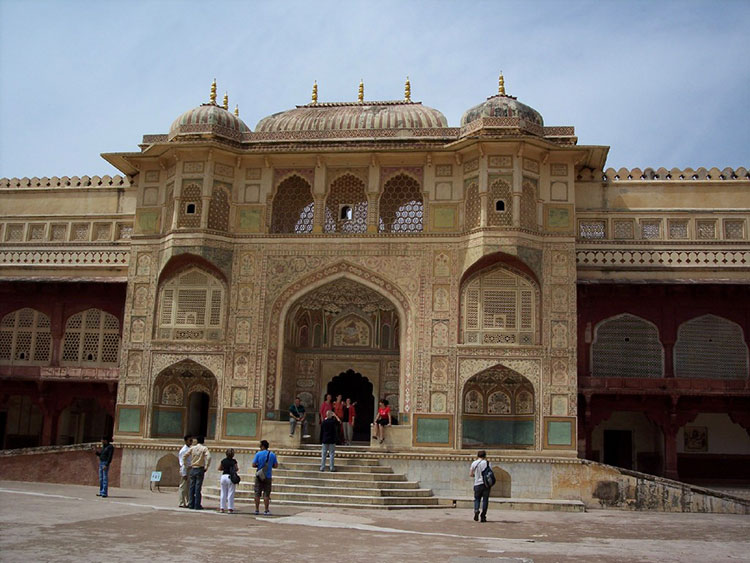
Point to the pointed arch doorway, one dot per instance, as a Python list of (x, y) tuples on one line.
[(359, 389)]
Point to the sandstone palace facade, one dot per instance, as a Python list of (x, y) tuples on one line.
[(495, 282)]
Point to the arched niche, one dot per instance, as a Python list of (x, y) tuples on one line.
[(627, 346), (498, 410), (184, 401)]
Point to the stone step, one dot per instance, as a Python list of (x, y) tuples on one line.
[(339, 460), (344, 449), (312, 465), (246, 490), (320, 481), (353, 475), (550, 505), (330, 498)]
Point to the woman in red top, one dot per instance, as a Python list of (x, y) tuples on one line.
[(338, 410), (382, 420)]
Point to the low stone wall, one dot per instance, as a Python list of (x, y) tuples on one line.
[(75, 465)]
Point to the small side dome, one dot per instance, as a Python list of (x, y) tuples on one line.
[(502, 105), (209, 119)]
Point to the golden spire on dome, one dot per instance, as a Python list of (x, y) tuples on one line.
[(361, 96), (501, 85), (226, 100), (236, 110), (212, 99), (315, 92), (407, 90)]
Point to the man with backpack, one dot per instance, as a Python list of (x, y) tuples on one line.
[(484, 478)]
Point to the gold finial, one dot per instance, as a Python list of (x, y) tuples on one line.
[(361, 96), (212, 99), (501, 85), (236, 110), (226, 100), (407, 90), (315, 92)]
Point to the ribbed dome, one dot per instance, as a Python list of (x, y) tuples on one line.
[(502, 106), (208, 119), (352, 115)]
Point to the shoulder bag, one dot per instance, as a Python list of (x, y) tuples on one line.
[(488, 476), (261, 473), (234, 477)]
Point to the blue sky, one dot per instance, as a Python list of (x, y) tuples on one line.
[(663, 83)]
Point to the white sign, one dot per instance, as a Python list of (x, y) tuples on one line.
[(155, 476)]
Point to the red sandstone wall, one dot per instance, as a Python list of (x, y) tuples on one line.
[(79, 467)]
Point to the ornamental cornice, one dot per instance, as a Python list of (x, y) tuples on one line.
[(51, 257), (663, 258)]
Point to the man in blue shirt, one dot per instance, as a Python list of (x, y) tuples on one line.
[(265, 459)]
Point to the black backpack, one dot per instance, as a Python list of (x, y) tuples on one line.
[(488, 476)]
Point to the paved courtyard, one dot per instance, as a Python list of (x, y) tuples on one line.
[(48, 522)]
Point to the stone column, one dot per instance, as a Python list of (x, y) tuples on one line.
[(319, 196), (483, 191), (373, 197), (517, 187)]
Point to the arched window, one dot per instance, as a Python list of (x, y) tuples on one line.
[(498, 410), (292, 207), (191, 307), (473, 204), (191, 206), (401, 206), (346, 206), (25, 338), (710, 347), (499, 306), (218, 209), (500, 216), (92, 338), (627, 346)]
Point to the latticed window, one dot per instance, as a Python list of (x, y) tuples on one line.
[(592, 229), (292, 207), (624, 229), (678, 228), (218, 210), (710, 347), (706, 229), (627, 346), (500, 191), (191, 206), (91, 337), (25, 338), (401, 206), (650, 228), (734, 229), (528, 206), (191, 307), (346, 206), (499, 307), (473, 204)]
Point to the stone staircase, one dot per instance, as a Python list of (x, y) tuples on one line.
[(356, 483)]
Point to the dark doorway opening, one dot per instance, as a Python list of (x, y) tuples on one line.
[(3, 426), (618, 448), (358, 388), (197, 419)]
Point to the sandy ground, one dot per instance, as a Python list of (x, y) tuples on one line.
[(47, 522)]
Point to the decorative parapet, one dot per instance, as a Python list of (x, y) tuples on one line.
[(66, 182), (107, 257), (626, 258), (662, 174)]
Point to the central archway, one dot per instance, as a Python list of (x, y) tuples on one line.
[(346, 333)]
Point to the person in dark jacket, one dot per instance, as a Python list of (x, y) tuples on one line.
[(105, 459), (328, 431)]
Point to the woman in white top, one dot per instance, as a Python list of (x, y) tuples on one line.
[(480, 491)]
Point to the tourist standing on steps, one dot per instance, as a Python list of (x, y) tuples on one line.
[(481, 492), (200, 459), (325, 406), (297, 414), (105, 459), (328, 431), (266, 460), (184, 490), (227, 465), (382, 420), (348, 420), (338, 410)]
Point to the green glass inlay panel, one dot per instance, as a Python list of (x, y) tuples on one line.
[(445, 217), (249, 220), (559, 433), (558, 217), (433, 430), (129, 420), (497, 432), (167, 423), (242, 424)]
